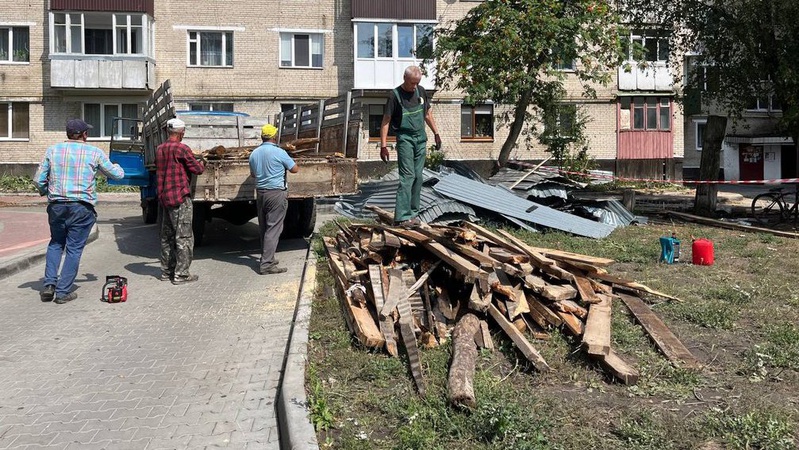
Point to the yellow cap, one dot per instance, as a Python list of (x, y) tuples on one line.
[(268, 131)]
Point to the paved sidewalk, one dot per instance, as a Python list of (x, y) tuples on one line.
[(175, 367)]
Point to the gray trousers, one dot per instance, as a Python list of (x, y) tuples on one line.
[(177, 239), (272, 205)]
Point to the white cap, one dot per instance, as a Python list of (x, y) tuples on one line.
[(175, 124)]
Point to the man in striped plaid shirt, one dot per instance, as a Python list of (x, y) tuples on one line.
[(67, 175)]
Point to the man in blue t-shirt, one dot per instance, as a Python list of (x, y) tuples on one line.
[(268, 165)]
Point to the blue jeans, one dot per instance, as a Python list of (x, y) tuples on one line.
[(70, 224)]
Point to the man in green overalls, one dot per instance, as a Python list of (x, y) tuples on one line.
[(407, 110)]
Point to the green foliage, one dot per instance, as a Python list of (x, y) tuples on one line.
[(781, 348), (10, 183), (511, 53), (643, 432), (714, 314), (321, 415), (753, 430), (434, 158)]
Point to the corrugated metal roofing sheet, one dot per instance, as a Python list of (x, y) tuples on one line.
[(504, 202)]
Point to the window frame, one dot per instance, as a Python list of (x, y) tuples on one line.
[(699, 143), (104, 136), (10, 108), (394, 39), (198, 41), (212, 106), (392, 137), (9, 29), (645, 107), (146, 29), (641, 36), (474, 113), (311, 35)]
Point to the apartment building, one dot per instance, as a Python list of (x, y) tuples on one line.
[(99, 60)]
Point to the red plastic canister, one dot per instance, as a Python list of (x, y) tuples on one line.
[(702, 252)]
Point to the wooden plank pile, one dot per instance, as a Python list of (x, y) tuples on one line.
[(429, 284), (295, 148)]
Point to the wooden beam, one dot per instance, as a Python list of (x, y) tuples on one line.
[(557, 292), (585, 290), (733, 225), (631, 284), (619, 368), (547, 315), (396, 292), (518, 338), (596, 337), (483, 337), (572, 323), (386, 324), (409, 339), (560, 255), (661, 335)]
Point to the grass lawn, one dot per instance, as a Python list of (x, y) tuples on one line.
[(739, 318)]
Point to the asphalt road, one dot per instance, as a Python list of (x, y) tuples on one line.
[(174, 367)]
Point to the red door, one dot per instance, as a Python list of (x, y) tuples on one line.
[(750, 161)]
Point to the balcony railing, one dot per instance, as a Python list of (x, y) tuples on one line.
[(102, 72), (656, 77)]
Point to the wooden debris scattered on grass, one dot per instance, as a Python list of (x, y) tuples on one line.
[(426, 281)]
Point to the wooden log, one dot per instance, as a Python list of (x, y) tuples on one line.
[(619, 368), (661, 335), (460, 384), (518, 338), (409, 340), (386, 324), (596, 337)]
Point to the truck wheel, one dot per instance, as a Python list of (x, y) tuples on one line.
[(199, 216), (307, 221), (149, 210), (300, 218)]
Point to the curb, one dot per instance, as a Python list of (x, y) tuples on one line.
[(32, 257), (294, 424)]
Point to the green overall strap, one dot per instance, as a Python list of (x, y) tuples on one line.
[(412, 118)]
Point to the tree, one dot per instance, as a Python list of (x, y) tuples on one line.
[(746, 51), (511, 51)]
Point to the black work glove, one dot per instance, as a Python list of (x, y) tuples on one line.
[(384, 154), (438, 141)]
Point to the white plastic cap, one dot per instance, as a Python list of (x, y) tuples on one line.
[(175, 124)]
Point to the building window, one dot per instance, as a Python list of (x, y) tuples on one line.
[(763, 104), (14, 120), (376, 40), (700, 134), (14, 44), (376, 120), (226, 107), (477, 122), (649, 113), (211, 48), (101, 116), (101, 34), (301, 50), (648, 45)]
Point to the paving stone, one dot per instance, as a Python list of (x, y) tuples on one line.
[(201, 359), (84, 437)]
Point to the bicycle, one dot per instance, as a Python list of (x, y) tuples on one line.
[(773, 207)]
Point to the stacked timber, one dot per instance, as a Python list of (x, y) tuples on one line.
[(295, 148), (426, 285)]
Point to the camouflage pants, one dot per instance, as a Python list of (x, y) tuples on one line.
[(177, 239)]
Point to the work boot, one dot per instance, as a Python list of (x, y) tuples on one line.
[(48, 293), (165, 276), (273, 269), (67, 298), (410, 223), (184, 280)]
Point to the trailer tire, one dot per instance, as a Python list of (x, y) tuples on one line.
[(149, 210), (307, 221)]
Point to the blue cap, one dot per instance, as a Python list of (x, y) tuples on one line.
[(77, 126)]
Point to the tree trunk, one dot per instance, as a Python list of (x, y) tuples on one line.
[(519, 114), (706, 194), (460, 385)]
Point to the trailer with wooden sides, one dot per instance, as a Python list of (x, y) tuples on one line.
[(322, 137)]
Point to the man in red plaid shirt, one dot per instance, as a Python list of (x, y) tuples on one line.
[(174, 164)]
